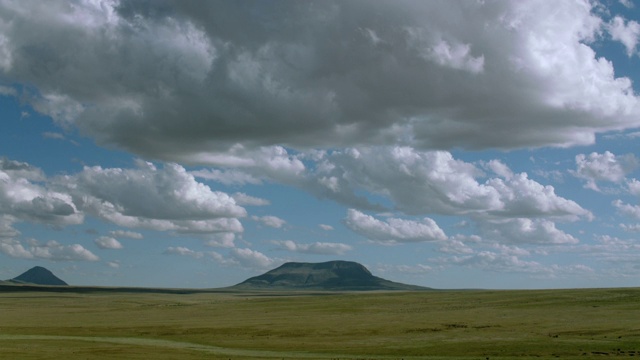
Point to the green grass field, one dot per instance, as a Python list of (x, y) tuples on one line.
[(549, 324)]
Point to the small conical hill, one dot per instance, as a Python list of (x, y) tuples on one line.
[(39, 276)]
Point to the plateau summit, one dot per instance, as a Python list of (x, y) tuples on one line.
[(332, 275)]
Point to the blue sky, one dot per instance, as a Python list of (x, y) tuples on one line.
[(488, 144)]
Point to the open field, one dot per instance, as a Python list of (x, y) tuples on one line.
[(549, 324)]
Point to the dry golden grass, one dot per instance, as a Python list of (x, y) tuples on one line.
[(546, 324)]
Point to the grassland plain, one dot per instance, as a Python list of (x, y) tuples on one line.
[(541, 324)]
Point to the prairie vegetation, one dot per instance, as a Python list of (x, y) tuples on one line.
[(546, 324)]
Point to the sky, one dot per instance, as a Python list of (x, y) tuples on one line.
[(449, 144)]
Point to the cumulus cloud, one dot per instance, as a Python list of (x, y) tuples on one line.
[(249, 89), (448, 53), (525, 231), (604, 167), (183, 251), (627, 209), (53, 135), (126, 234), (107, 242), (6, 227), (168, 198), (627, 32), (316, 248), (423, 182), (24, 198), (226, 240), (510, 259), (227, 177), (326, 227), (426, 74), (25, 195), (243, 199), (630, 227), (627, 3), (457, 244), (393, 230), (252, 258), (166, 193), (493, 261), (15, 249), (51, 250), (418, 269), (7, 91), (20, 169), (633, 186), (270, 221), (251, 165)]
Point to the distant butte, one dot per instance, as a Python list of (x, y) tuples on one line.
[(38, 276), (331, 275)]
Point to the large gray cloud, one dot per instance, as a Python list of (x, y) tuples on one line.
[(174, 80)]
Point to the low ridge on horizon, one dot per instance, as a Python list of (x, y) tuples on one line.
[(331, 275), (336, 275), (38, 275)]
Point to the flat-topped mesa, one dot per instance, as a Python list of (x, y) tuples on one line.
[(331, 275)]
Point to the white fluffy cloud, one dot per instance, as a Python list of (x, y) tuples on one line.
[(51, 250), (317, 248), (627, 3), (427, 74), (493, 261), (183, 251), (148, 192), (510, 259), (107, 242), (6, 227), (604, 167), (457, 245), (498, 262), (227, 177), (525, 231), (418, 269), (168, 198), (24, 198), (393, 230), (243, 199), (633, 186), (252, 258), (627, 209), (423, 182), (226, 240), (126, 234), (270, 221), (627, 32)]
